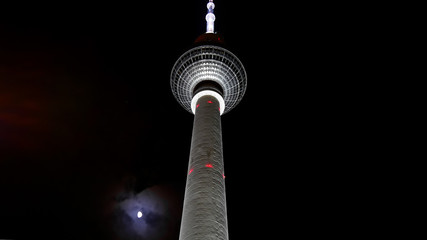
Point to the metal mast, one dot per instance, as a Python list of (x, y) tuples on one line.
[(207, 80), (210, 17)]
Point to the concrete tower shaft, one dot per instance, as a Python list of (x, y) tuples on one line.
[(204, 213)]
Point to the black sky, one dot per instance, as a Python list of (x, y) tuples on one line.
[(87, 116)]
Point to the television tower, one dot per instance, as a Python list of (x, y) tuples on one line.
[(208, 81)]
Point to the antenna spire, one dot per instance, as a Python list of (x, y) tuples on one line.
[(210, 17)]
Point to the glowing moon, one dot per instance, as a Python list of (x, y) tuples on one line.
[(139, 215)]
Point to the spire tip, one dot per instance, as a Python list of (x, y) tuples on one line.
[(210, 17)]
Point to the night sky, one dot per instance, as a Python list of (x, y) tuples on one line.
[(90, 132)]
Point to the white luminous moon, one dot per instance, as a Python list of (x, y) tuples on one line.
[(139, 215)]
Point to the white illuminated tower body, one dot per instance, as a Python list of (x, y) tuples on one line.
[(208, 81)]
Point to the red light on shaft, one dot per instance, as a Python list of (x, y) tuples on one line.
[(209, 165)]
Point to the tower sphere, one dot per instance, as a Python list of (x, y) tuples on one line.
[(208, 63)]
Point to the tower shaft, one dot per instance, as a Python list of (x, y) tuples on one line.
[(204, 214)]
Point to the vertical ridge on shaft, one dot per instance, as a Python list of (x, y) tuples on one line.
[(204, 214)]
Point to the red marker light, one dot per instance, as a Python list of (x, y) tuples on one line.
[(191, 170), (197, 105), (209, 101), (223, 176), (209, 165)]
